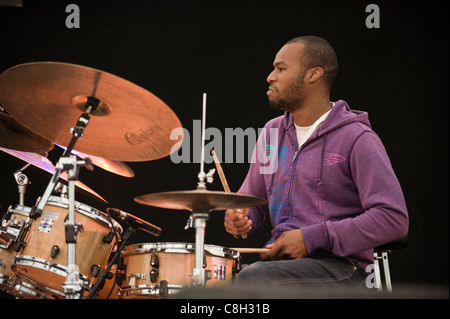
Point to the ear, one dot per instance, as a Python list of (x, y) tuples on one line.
[(314, 74)]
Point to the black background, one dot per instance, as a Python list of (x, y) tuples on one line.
[(180, 49)]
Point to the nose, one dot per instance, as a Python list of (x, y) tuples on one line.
[(271, 77)]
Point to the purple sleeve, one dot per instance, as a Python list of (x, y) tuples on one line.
[(384, 218), (254, 184)]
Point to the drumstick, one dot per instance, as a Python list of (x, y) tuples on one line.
[(251, 250), (223, 178), (220, 172)]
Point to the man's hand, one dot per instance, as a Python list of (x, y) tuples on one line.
[(289, 245), (237, 222)]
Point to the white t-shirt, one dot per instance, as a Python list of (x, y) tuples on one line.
[(304, 132)]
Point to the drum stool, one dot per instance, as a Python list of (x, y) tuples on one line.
[(381, 253)]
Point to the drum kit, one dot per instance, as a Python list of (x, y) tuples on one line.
[(63, 249)]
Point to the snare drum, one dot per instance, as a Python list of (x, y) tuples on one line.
[(43, 259), (155, 270)]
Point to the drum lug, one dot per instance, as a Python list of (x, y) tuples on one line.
[(163, 288), (155, 267), (108, 238), (95, 270), (53, 253), (121, 272), (237, 266)]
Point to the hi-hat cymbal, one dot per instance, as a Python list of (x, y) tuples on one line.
[(15, 136), (199, 200), (46, 165), (115, 167), (130, 124)]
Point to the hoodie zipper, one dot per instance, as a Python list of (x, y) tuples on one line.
[(295, 156)]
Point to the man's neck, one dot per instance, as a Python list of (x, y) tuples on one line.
[(310, 111)]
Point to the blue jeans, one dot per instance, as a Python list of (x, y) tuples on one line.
[(319, 271)]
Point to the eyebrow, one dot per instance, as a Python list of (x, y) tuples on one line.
[(279, 63)]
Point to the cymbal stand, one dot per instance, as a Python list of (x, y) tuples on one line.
[(72, 287), (199, 217)]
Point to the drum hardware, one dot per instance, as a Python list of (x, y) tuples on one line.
[(154, 272), (73, 285), (40, 161), (95, 270), (22, 183), (163, 288), (19, 242), (115, 167), (120, 272), (54, 253), (104, 274), (134, 224), (9, 231), (137, 222), (109, 238)]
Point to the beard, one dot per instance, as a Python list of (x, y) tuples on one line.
[(293, 97)]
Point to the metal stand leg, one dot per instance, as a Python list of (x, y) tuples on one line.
[(199, 275), (72, 287), (376, 269), (387, 274)]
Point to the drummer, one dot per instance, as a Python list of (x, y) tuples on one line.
[(334, 195)]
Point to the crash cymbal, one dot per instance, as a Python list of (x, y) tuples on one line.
[(130, 124), (15, 136), (82, 188), (34, 159), (196, 200), (46, 165), (115, 167)]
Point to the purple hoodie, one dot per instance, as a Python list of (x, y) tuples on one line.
[(339, 189)]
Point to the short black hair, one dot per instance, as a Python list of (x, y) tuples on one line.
[(318, 52)]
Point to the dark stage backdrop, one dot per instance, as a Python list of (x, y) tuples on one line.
[(180, 49)]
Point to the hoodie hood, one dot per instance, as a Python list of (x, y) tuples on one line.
[(340, 115)]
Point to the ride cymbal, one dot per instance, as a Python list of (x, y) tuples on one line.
[(199, 200), (130, 124)]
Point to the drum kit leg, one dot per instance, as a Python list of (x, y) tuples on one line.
[(61, 248)]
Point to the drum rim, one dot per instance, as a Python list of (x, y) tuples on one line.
[(178, 248), (36, 262), (154, 290), (80, 207)]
